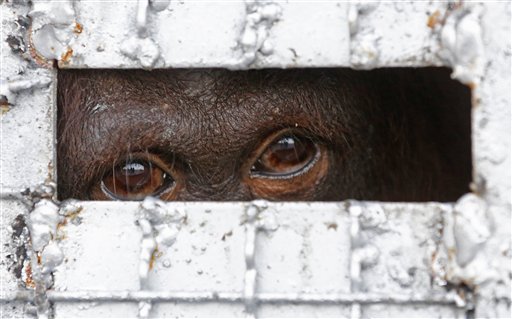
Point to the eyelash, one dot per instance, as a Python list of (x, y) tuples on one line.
[(282, 155), (303, 139), (147, 161)]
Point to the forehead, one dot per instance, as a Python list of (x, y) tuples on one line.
[(138, 85), (207, 95), (193, 112)]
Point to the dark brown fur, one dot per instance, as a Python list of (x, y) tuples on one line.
[(391, 134)]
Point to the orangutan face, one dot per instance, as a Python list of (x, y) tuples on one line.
[(306, 134)]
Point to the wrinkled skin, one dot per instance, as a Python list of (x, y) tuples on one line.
[(390, 134)]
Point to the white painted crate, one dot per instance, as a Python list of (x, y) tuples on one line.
[(304, 256), (475, 246)]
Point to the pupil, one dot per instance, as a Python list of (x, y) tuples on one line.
[(286, 142), (132, 175), (133, 169), (288, 151), (284, 156)]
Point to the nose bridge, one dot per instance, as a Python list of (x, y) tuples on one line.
[(213, 156)]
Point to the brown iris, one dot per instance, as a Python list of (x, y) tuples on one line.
[(134, 179), (285, 157)]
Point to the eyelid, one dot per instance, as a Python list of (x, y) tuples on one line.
[(296, 173), (297, 184), (111, 196)]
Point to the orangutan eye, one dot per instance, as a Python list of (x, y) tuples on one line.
[(134, 179), (286, 156)]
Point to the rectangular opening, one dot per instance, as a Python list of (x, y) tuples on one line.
[(395, 134)]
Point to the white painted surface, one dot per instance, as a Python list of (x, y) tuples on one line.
[(27, 124), (308, 253), (411, 251), (233, 34)]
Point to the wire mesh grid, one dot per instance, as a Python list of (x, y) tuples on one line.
[(362, 25), (253, 220)]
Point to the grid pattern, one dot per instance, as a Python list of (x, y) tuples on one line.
[(253, 226), (365, 36)]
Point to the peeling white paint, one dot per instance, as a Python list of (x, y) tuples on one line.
[(365, 53), (364, 47), (363, 254), (462, 44), (51, 257), (11, 87), (144, 309), (45, 254), (141, 18), (361, 258), (471, 227), (140, 46), (160, 228), (267, 220), (250, 276), (53, 28), (476, 236), (260, 17), (465, 235), (311, 246), (70, 207), (148, 247), (144, 50), (26, 157), (159, 5), (398, 273), (51, 12), (373, 216), (42, 223)]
